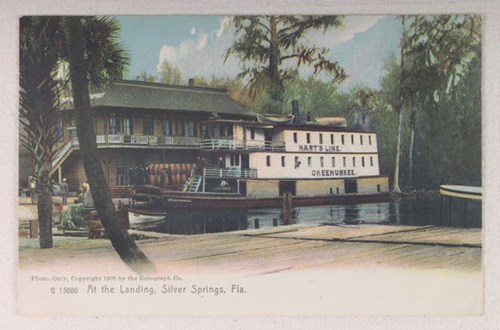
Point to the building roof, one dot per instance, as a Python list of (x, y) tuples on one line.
[(142, 95)]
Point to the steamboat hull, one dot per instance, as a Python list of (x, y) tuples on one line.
[(193, 200)]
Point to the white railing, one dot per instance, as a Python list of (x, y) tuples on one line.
[(100, 139), (143, 140), (231, 172), (139, 139), (115, 138), (252, 145), (153, 140), (166, 140), (186, 140)]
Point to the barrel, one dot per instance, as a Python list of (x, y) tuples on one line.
[(175, 169), (178, 178), (183, 168), (183, 178), (161, 167), (152, 179)]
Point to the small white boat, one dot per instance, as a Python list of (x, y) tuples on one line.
[(274, 118), (138, 218), (332, 121)]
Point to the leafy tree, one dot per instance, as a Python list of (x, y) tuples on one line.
[(170, 74), (438, 52), (362, 106), (39, 108), (144, 76), (316, 97), (80, 69), (268, 45)]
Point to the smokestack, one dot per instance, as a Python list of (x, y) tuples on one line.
[(191, 82), (296, 112)]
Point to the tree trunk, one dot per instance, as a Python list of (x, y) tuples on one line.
[(126, 248), (276, 90), (396, 188), (412, 145), (44, 207)]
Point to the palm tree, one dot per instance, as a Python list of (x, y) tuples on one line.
[(39, 114), (81, 69), (44, 43)]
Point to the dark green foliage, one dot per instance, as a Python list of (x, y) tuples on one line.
[(38, 107)]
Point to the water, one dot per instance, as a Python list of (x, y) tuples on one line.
[(415, 210)]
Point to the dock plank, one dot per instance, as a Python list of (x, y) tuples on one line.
[(458, 236), (284, 249)]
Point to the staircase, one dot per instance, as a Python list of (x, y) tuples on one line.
[(192, 184), (61, 155)]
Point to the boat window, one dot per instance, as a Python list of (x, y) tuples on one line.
[(121, 175), (295, 137), (342, 136), (331, 138), (350, 186), (371, 161), (333, 161), (114, 125), (127, 126), (252, 134), (352, 139), (166, 127), (354, 161), (297, 162), (369, 139), (363, 161), (309, 161), (361, 139), (148, 127), (344, 161), (320, 138), (282, 161), (268, 160), (308, 137), (59, 129), (235, 160), (322, 161), (189, 128)]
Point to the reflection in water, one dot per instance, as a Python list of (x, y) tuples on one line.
[(415, 210)]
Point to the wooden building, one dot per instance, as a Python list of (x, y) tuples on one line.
[(138, 124)]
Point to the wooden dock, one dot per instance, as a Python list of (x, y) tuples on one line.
[(283, 249), (287, 270), (279, 249)]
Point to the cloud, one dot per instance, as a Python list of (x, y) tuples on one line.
[(332, 38), (175, 54), (167, 53), (203, 54), (202, 41), (224, 23)]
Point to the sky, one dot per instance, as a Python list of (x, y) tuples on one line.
[(197, 45)]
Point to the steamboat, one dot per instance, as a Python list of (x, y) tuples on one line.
[(256, 163)]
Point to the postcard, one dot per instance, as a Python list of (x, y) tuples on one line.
[(260, 166)]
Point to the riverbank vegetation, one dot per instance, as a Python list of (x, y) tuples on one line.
[(426, 112)]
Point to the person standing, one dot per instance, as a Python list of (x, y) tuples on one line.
[(32, 187), (64, 191)]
